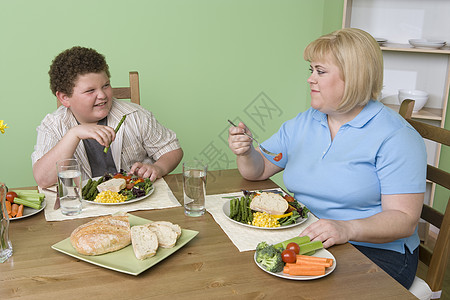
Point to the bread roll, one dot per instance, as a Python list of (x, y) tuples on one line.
[(271, 203), (167, 237), (144, 241), (102, 235)]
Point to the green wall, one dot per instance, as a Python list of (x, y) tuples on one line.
[(200, 62)]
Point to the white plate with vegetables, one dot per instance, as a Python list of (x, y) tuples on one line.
[(118, 203), (290, 258), (226, 211), (28, 211)]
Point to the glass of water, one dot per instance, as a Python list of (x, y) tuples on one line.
[(194, 187), (69, 186)]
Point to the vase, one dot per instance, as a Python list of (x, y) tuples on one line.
[(6, 249)]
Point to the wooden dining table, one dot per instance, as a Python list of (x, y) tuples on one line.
[(208, 267)]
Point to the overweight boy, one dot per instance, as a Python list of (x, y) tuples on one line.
[(84, 124)]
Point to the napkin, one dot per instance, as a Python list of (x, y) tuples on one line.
[(247, 238), (162, 197)]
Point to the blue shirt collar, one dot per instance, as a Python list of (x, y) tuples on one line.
[(369, 111)]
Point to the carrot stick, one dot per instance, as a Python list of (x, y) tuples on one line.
[(20, 211), (14, 209), (305, 262), (312, 258), (8, 207), (302, 270)]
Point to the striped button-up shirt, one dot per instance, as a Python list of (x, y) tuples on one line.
[(141, 138)]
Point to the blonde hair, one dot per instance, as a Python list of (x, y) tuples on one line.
[(359, 59)]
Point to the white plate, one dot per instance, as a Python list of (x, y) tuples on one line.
[(28, 211), (120, 203), (319, 253), (423, 43), (226, 211)]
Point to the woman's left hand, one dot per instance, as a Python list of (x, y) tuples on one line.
[(329, 232), (146, 171)]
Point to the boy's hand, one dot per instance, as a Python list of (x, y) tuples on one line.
[(104, 135), (145, 170)]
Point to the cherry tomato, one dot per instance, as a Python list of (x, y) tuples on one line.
[(288, 256), (294, 247), (10, 196)]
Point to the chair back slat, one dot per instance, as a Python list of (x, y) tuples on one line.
[(432, 216), (438, 176)]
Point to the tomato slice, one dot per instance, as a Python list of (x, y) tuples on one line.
[(288, 256), (278, 157)]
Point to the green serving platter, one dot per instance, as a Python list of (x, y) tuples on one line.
[(124, 259)]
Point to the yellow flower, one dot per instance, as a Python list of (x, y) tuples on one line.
[(3, 126)]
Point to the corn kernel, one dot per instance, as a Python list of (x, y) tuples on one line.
[(263, 219), (109, 197)]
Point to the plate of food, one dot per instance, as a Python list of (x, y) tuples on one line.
[(316, 264), (28, 211), (137, 254), (265, 210), (27, 202), (116, 189)]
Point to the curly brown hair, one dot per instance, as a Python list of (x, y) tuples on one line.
[(72, 62)]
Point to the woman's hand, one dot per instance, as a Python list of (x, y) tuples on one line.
[(147, 171), (239, 143), (329, 232), (398, 219), (104, 135)]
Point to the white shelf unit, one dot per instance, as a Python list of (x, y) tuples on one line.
[(407, 67)]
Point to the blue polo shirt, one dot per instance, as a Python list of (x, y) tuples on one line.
[(376, 153)]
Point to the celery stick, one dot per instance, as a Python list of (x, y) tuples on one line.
[(30, 193), (298, 239), (310, 253), (308, 247), (30, 198), (27, 203)]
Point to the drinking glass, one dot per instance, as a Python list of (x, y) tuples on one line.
[(194, 187), (6, 249), (69, 186)]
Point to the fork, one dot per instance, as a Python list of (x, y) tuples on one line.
[(253, 139)]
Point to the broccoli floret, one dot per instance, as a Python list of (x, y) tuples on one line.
[(261, 245), (269, 257)]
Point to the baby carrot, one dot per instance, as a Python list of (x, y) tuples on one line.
[(14, 209), (8, 207), (304, 262), (20, 211), (312, 258), (301, 270)]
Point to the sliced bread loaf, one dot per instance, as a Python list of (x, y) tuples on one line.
[(144, 241), (175, 227), (167, 237)]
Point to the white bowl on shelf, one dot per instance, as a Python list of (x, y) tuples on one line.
[(424, 43), (420, 98)]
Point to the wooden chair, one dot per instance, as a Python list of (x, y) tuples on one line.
[(436, 259), (131, 92)]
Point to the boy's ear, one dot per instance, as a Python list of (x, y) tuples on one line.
[(63, 98)]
